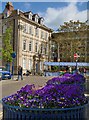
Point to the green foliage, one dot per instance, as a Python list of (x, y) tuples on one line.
[(7, 47), (73, 39), (73, 26), (55, 68)]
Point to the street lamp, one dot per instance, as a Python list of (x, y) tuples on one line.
[(76, 58)]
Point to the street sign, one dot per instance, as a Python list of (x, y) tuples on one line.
[(76, 55), (13, 55)]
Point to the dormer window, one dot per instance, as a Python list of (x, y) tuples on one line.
[(41, 20), (30, 15), (35, 18)]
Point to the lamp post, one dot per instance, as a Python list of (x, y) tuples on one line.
[(13, 56), (76, 65), (76, 58)]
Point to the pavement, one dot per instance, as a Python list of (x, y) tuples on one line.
[(8, 87), (0, 115), (11, 86)]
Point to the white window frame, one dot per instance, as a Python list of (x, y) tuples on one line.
[(46, 36), (36, 18), (30, 30), (41, 48), (30, 46), (30, 64), (24, 63), (42, 21), (30, 16), (36, 32), (24, 45)]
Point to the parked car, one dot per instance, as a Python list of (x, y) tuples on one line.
[(4, 74)]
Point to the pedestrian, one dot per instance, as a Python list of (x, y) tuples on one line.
[(67, 69), (20, 72), (70, 69)]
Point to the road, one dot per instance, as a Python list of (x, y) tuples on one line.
[(11, 86), (8, 87)]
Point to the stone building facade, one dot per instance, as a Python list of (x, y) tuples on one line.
[(30, 38)]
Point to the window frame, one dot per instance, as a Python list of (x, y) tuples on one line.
[(24, 45), (24, 63), (36, 47), (30, 46)]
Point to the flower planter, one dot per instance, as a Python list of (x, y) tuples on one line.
[(18, 113), (51, 102), (69, 79), (82, 85)]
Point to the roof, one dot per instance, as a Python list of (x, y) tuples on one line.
[(28, 12), (66, 63)]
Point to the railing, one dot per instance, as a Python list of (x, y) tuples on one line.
[(18, 113)]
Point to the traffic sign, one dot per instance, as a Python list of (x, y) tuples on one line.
[(13, 55), (76, 55)]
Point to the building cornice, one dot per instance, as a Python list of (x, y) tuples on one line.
[(35, 23), (20, 15)]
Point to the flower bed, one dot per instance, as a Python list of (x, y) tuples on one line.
[(68, 79), (50, 96), (59, 101)]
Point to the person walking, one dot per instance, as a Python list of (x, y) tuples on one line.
[(20, 72)]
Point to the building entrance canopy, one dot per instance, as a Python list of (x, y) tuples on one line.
[(66, 64)]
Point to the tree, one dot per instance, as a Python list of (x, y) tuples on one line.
[(7, 47), (73, 26), (73, 38)]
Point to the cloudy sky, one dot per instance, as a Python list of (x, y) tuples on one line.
[(55, 13)]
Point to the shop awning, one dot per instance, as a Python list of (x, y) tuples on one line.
[(66, 63)]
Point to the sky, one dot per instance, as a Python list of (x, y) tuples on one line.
[(54, 13)]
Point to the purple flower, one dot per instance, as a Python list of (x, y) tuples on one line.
[(67, 79), (78, 78), (60, 92)]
